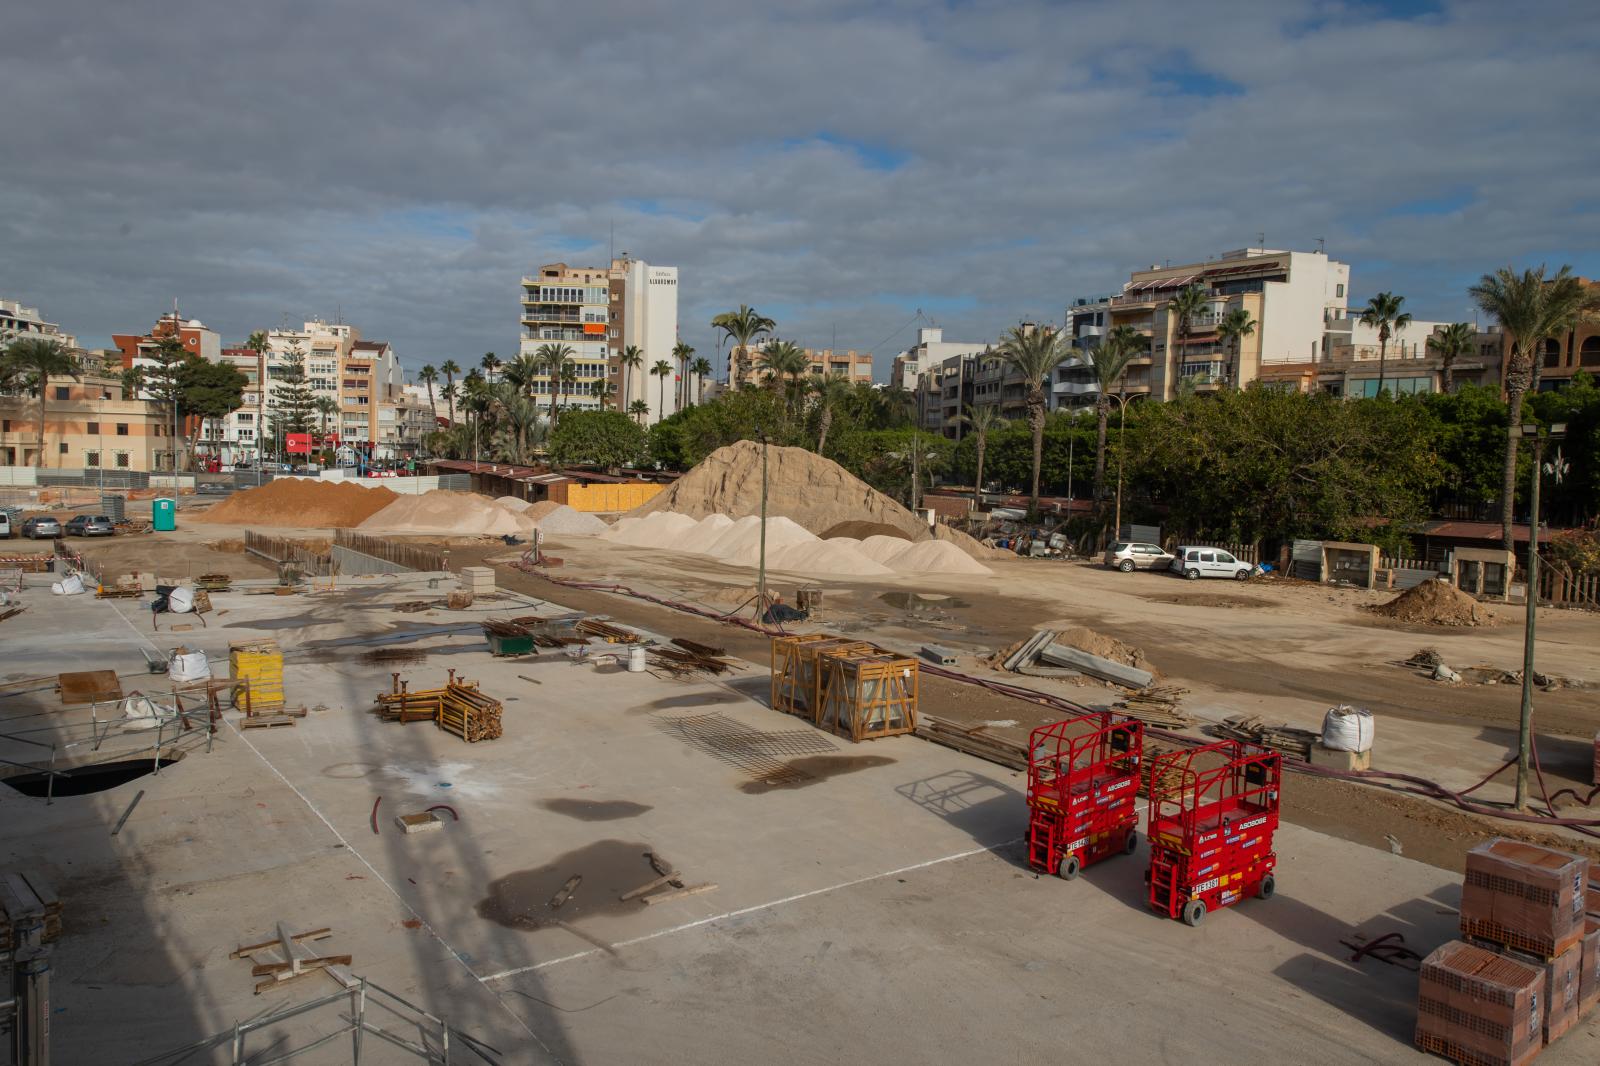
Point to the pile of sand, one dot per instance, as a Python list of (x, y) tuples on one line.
[(444, 512), (864, 530), (516, 503), (813, 492), (1436, 603), (538, 510), (1085, 639), (565, 521), (299, 502), (790, 546)]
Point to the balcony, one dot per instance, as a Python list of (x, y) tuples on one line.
[(533, 317), (1075, 388)]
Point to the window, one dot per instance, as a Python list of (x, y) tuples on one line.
[(1552, 353), (1338, 292), (5, 425), (122, 429), (92, 428), (122, 460), (63, 392), (61, 448), (1224, 557), (91, 459), (1589, 354)]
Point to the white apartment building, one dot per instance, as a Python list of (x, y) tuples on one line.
[(598, 313), (21, 323), (930, 350)]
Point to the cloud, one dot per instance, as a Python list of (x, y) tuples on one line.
[(403, 164)]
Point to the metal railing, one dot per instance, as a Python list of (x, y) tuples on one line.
[(437, 1040)]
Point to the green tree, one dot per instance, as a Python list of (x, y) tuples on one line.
[(428, 375), (1529, 308), (554, 359), (1031, 354), (450, 391), (983, 421), (829, 391), (1383, 311), (1236, 325), (1109, 361), (682, 353), (607, 439), (35, 361), (700, 368), (631, 359), (741, 327), (450, 369), (783, 360), (490, 364), (211, 391), (1183, 307), (327, 407), (661, 370), (1451, 343), (523, 372), (292, 401)]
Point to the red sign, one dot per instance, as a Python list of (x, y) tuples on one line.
[(297, 443)]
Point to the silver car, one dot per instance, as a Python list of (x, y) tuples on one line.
[(85, 525), (41, 528), (1129, 556)]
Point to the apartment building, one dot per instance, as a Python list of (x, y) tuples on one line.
[(598, 312), (929, 351), (138, 349), (853, 366), (1352, 357), (945, 390), (1562, 357), (89, 423), (25, 323)]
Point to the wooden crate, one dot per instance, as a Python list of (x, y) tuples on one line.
[(260, 663), (796, 681), (867, 694)]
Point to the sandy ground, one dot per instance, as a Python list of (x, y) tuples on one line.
[(876, 910)]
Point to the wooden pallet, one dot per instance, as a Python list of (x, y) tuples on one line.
[(973, 740)]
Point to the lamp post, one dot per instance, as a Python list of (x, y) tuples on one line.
[(1122, 426), (1530, 615), (761, 569)]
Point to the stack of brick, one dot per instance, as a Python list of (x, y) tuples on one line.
[(1525, 906), (1478, 1007), (478, 580)]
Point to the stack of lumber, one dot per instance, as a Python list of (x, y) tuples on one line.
[(409, 706), (26, 896), (689, 658), (468, 713), (1170, 777), (974, 740), (1287, 740), (595, 627), (286, 957), (505, 628), (1157, 705)]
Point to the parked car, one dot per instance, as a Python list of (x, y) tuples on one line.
[(1197, 562), (41, 528), (1129, 556), (90, 526), (5, 526)]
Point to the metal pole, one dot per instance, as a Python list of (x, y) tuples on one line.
[(1072, 439), (50, 783), (761, 572), (1525, 725), (1122, 427), (359, 994)]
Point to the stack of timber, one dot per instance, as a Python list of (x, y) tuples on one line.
[(611, 634), (974, 740), (1290, 742), (1157, 705), (689, 658), (26, 897), (1171, 778), (458, 708)]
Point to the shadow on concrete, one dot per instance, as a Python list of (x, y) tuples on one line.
[(987, 810)]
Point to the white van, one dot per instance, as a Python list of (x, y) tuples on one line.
[(1196, 562), (5, 526)]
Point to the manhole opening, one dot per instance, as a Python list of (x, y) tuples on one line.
[(85, 780)]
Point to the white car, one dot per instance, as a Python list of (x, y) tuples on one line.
[(1195, 562)]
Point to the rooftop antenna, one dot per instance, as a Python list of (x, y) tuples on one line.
[(1322, 248), (611, 248), (1261, 240)]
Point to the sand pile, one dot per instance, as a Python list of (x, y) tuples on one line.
[(1085, 639), (444, 512), (565, 521), (740, 543), (837, 556), (811, 491), (864, 530), (1436, 603), (882, 548), (538, 510), (299, 502), (515, 503), (935, 557)]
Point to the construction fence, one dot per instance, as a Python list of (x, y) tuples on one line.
[(358, 553)]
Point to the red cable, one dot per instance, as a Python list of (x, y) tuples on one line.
[(375, 815), (445, 807)]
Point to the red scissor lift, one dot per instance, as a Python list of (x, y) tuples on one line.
[(1213, 812), (1083, 774)]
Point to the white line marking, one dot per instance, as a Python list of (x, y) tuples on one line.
[(685, 927)]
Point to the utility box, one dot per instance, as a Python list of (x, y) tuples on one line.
[(164, 514)]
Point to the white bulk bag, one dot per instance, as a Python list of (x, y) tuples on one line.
[(69, 587), (139, 713), (181, 600), (189, 666), (1346, 728)]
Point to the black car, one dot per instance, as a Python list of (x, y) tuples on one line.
[(41, 528), (90, 526)]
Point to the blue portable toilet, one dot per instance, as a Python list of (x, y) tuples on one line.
[(164, 514)]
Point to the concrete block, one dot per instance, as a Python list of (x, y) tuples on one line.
[(1340, 760), (1095, 666), (419, 823)]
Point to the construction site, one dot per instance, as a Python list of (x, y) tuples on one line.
[(326, 773)]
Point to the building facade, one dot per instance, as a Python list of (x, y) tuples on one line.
[(1560, 358), (25, 323), (88, 424)]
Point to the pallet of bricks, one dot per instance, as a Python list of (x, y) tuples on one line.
[(258, 664), (1527, 968)]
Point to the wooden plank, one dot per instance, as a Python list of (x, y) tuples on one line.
[(263, 969), (566, 891), (668, 897), (649, 886), (310, 934), (89, 686)]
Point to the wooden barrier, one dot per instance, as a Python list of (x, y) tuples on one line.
[(410, 556)]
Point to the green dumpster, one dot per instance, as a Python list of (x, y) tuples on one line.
[(503, 644), (164, 514)]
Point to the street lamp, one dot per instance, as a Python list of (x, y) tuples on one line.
[(1122, 427), (1525, 725), (761, 571)]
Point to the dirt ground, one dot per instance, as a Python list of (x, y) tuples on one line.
[(1283, 650)]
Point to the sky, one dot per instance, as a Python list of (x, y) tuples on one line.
[(841, 167)]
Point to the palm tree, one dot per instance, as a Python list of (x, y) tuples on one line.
[(1383, 311), (449, 392), (1031, 353), (1183, 307), (700, 368), (661, 370), (569, 383), (428, 375), (1109, 361), (1452, 342), (554, 360), (326, 406), (36, 361), (638, 409), (523, 372), (631, 359), (1529, 307), (784, 359), (742, 327), (601, 389), (490, 364), (1236, 326), (449, 369), (983, 421), (682, 353), (829, 390)]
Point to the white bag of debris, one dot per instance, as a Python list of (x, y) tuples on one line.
[(1346, 728), (72, 586), (188, 666), (181, 599), (140, 712)]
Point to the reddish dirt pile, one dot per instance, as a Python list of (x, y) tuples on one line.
[(1436, 603), (300, 503), (1086, 639), (863, 530)]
